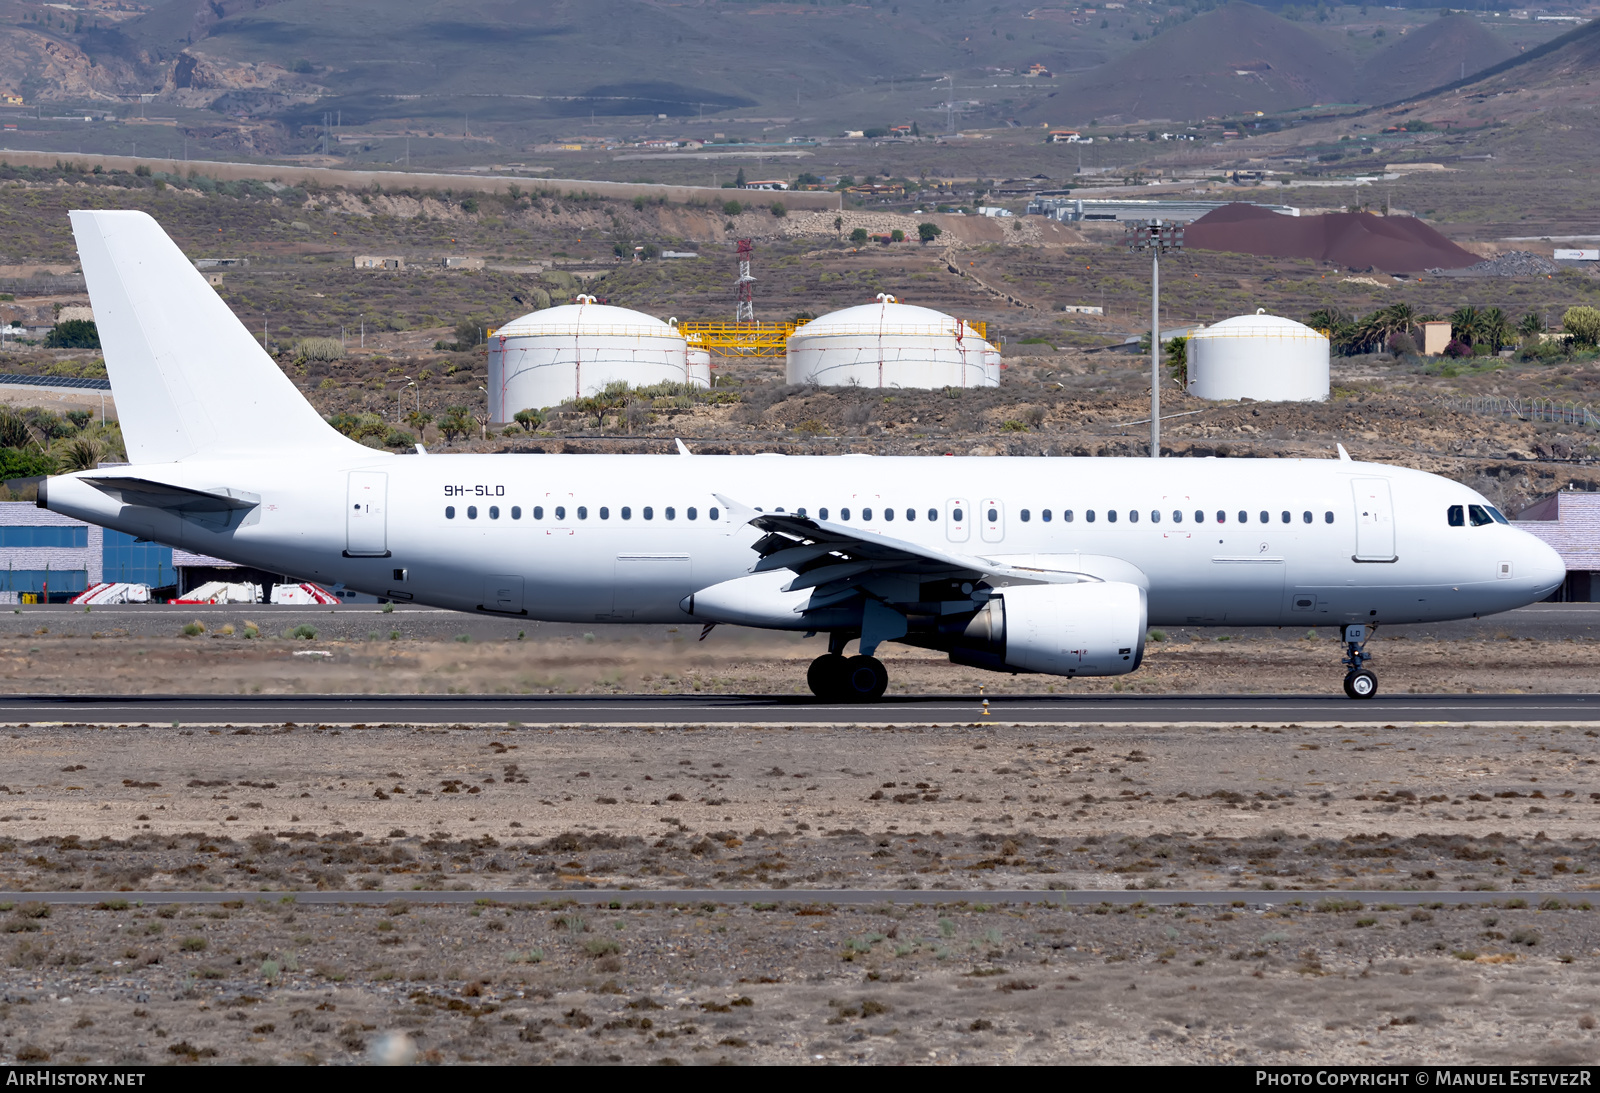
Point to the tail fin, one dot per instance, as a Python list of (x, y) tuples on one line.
[(189, 379)]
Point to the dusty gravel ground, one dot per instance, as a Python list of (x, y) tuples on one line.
[(1508, 810), (145, 651), (269, 982)]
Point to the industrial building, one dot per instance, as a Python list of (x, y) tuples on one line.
[(1569, 522), (1263, 357), (548, 357), (890, 344), (1075, 209), (43, 553)]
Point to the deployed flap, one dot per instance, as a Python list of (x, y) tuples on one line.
[(160, 495)]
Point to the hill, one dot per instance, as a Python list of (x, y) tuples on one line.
[(1434, 54), (1238, 58)]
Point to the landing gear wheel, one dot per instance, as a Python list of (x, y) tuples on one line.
[(1361, 683), (864, 679), (826, 675)]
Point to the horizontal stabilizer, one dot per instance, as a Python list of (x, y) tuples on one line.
[(160, 495)]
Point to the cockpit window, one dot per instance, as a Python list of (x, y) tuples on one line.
[(1456, 516), (1498, 518), (1479, 515)]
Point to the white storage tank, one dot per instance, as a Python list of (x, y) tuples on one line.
[(890, 344), (547, 357), (699, 362), (1263, 357)]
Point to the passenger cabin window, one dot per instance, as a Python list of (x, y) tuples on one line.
[(933, 516), (693, 513), (1327, 517), (516, 512), (711, 514), (1266, 517), (1222, 517), (844, 514), (955, 514), (538, 512), (1305, 517), (1286, 516), (994, 516), (1066, 516), (1456, 516), (449, 512), (583, 512), (605, 513), (1044, 514), (1088, 514), (472, 512), (822, 514), (1025, 516), (1199, 517), (561, 512), (1133, 516), (627, 512), (888, 514), (672, 513), (1155, 516), (1177, 516), (649, 513), (1244, 517), (1479, 515), (494, 512), (866, 514), (1111, 515), (911, 514)]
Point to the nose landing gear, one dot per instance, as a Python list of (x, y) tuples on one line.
[(1359, 681)]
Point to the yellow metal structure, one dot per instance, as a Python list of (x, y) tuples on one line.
[(740, 339), (771, 339)]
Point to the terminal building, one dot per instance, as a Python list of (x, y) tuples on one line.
[(1569, 521)]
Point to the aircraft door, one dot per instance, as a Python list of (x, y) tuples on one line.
[(503, 592), (957, 520), (991, 517), (366, 516), (1374, 520)]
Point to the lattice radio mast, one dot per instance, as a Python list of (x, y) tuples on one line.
[(746, 310)]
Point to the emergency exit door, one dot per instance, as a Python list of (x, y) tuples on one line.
[(1374, 520), (366, 515)]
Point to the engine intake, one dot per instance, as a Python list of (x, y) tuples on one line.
[(1086, 629)]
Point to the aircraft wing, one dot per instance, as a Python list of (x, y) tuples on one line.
[(833, 557)]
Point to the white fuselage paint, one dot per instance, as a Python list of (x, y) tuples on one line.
[(315, 514)]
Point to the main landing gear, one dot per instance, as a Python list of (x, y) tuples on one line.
[(1360, 681), (834, 677)]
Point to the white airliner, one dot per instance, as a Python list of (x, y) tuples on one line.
[(1055, 566)]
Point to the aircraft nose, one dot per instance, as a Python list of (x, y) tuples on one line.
[(1544, 566)]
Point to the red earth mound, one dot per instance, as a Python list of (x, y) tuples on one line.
[(1394, 244)]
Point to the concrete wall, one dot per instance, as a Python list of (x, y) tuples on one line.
[(408, 180)]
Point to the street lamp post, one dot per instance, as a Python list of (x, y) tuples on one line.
[(400, 398), (1155, 237)]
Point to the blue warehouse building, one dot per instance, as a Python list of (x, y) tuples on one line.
[(41, 550)]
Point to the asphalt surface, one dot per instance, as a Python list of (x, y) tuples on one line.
[(601, 711), (800, 897)]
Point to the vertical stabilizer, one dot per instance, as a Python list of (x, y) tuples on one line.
[(189, 379)]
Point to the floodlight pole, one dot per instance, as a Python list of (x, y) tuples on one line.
[(1154, 236)]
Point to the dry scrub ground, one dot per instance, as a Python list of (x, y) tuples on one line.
[(103, 653), (260, 814)]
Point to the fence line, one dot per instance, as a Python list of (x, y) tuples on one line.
[(1529, 409)]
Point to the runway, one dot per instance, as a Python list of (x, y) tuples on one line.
[(810, 897), (667, 711)]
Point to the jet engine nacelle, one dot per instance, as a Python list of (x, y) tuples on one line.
[(1085, 629)]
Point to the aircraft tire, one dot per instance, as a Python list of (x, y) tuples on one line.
[(1361, 684), (864, 679), (825, 677)]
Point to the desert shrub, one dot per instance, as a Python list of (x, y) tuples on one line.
[(319, 349), (1583, 323), (1402, 344), (1457, 348)]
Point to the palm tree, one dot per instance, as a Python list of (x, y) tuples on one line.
[(1497, 330), (1530, 325), (1466, 324)]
